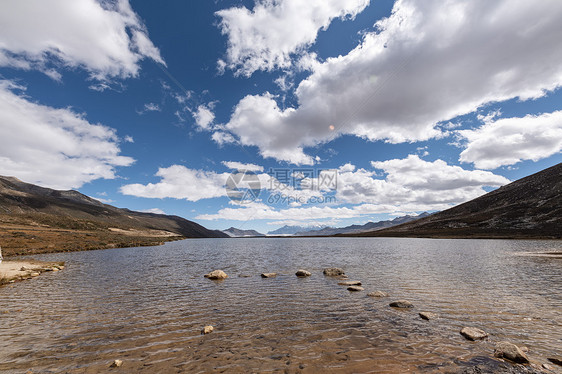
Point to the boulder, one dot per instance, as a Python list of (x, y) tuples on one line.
[(303, 273), (402, 304), (472, 333), (350, 283), (216, 274), (377, 294), (511, 352), (268, 275), (207, 330), (333, 272), (355, 288), (116, 364), (427, 315)]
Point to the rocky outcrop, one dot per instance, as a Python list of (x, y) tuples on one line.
[(216, 275), (472, 333)]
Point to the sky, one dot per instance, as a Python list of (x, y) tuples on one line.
[(261, 113)]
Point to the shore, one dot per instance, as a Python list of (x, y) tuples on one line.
[(15, 270)]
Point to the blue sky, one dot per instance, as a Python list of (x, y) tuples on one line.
[(412, 105)]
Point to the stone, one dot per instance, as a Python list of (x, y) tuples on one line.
[(472, 333), (511, 352), (403, 304), (547, 366), (303, 273), (34, 274), (355, 288), (207, 330), (556, 360), (55, 269), (427, 315), (268, 275), (377, 294), (216, 274), (350, 283), (116, 364), (244, 276), (333, 272)]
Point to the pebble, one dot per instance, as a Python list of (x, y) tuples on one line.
[(377, 294), (116, 364), (401, 304), (427, 315), (303, 273), (207, 330), (355, 288), (472, 333)]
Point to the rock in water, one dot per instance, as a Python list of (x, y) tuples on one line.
[(116, 364), (216, 274), (377, 294), (557, 361), (472, 333), (333, 272), (401, 304), (268, 275), (511, 352), (303, 273), (207, 330), (350, 283), (355, 288), (427, 315)]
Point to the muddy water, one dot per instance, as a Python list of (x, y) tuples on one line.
[(147, 306)]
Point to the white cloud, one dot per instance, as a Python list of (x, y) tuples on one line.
[(508, 141), (154, 210), (267, 36), (128, 139), (241, 166), (92, 35), (429, 62), (204, 117), (222, 138), (150, 107), (53, 147)]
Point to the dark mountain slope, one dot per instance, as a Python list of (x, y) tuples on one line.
[(43, 220), (530, 207)]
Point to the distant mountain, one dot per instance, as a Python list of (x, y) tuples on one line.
[(369, 226), (530, 207), (237, 233), (290, 230), (35, 219)]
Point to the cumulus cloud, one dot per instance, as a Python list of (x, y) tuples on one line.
[(53, 147), (154, 210), (508, 141), (107, 39), (269, 35), (241, 166), (429, 62), (204, 117)]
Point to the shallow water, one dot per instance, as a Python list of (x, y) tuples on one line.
[(147, 306)]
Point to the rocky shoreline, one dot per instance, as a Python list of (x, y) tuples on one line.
[(12, 271)]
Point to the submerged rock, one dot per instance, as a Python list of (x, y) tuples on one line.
[(377, 294), (355, 288), (303, 273), (403, 304), (333, 272), (116, 364), (216, 274), (350, 283), (207, 330), (427, 315), (511, 352), (556, 360), (472, 333), (268, 275)]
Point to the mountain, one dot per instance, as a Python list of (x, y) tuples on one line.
[(530, 207), (289, 230), (237, 233), (36, 219), (369, 226)]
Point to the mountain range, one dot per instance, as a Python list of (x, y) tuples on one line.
[(530, 207), (36, 219), (237, 233)]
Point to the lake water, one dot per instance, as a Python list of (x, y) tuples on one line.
[(147, 306)]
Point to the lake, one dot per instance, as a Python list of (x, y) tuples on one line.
[(147, 306)]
